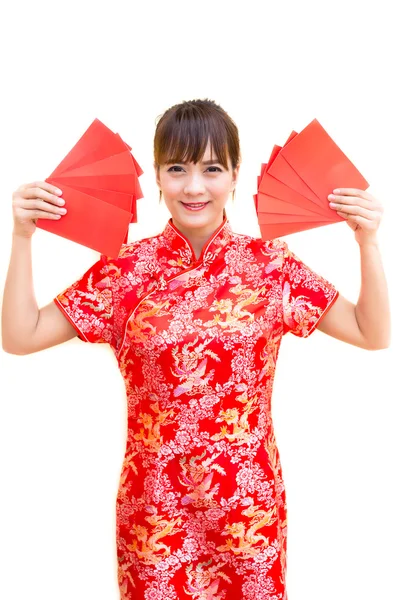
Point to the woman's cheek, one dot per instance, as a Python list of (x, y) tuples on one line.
[(173, 188)]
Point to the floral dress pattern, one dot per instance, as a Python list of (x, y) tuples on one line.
[(201, 507)]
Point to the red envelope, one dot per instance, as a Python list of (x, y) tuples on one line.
[(281, 170), (320, 162), (138, 169), (276, 218), (116, 173), (278, 173), (270, 232), (293, 186), (123, 183), (119, 199), (99, 180), (271, 204), (111, 165), (95, 139), (90, 222), (271, 186), (255, 198)]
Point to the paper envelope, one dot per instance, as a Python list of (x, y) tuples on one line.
[(320, 163), (89, 221), (273, 187), (280, 180), (119, 199), (99, 181), (284, 172), (293, 185), (270, 232), (95, 139), (275, 218), (271, 204)]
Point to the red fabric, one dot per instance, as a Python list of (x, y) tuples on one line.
[(201, 506)]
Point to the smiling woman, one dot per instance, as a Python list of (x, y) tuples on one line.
[(201, 142), (195, 317)]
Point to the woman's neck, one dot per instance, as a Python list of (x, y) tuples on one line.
[(199, 237)]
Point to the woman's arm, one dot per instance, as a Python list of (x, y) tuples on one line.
[(25, 328), (366, 324)]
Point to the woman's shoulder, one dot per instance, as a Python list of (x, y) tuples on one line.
[(137, 256), (137, 247), (262, 247)]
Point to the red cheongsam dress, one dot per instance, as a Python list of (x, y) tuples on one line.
[(201, 508)]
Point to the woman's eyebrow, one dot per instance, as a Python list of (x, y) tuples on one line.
[(204, 162)]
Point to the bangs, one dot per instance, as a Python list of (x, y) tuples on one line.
[(184, 138)]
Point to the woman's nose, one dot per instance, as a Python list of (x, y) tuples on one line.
[(194, 185)]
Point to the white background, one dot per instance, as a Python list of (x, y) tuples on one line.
[(273, 66)]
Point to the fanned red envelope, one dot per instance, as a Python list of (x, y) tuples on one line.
[(293, 186), (100, 185)]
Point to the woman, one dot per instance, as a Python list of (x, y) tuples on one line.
[(195, 317)]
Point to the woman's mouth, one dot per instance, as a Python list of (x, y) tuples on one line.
[(194, 205)]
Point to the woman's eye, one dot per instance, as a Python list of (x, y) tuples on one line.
[(174, 167), (177, 169)]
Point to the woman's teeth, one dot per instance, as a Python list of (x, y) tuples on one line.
[(195, 206)]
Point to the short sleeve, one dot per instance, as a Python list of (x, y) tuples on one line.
[(88, 304), (306, 296)]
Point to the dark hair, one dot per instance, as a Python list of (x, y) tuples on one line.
[(183, 131)]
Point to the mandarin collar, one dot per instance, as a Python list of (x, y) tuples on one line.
[(180, 245)]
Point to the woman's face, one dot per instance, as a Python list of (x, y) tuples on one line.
[(196, 194)]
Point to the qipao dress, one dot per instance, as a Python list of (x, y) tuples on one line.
[(201, 507)]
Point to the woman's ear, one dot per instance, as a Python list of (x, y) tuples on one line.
[(235, 175), (157, 173)]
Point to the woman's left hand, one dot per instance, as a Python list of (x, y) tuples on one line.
[(363, 212)]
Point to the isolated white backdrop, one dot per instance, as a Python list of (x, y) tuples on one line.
[(274, 67)]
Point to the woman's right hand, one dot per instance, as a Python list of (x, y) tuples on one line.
[(32, 201)]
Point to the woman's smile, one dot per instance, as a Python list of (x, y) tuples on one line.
[(194, 206)]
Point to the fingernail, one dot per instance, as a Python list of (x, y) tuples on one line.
[(336, 191), (61, 201), (63, 210), (58, 191)]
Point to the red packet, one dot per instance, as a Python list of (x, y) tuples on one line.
[(293, 186), (99, 181), (96, 139), (277, 218), (271, 204), (282, 170), (321, 163), (270, 232), (119, 199), (90, 221), (273, 187)]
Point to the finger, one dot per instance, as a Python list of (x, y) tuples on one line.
[(356, 211), (41, 214), (352, 200), (38, 192), (48, 187), (353, 192), (32, 205), (365, 224)]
